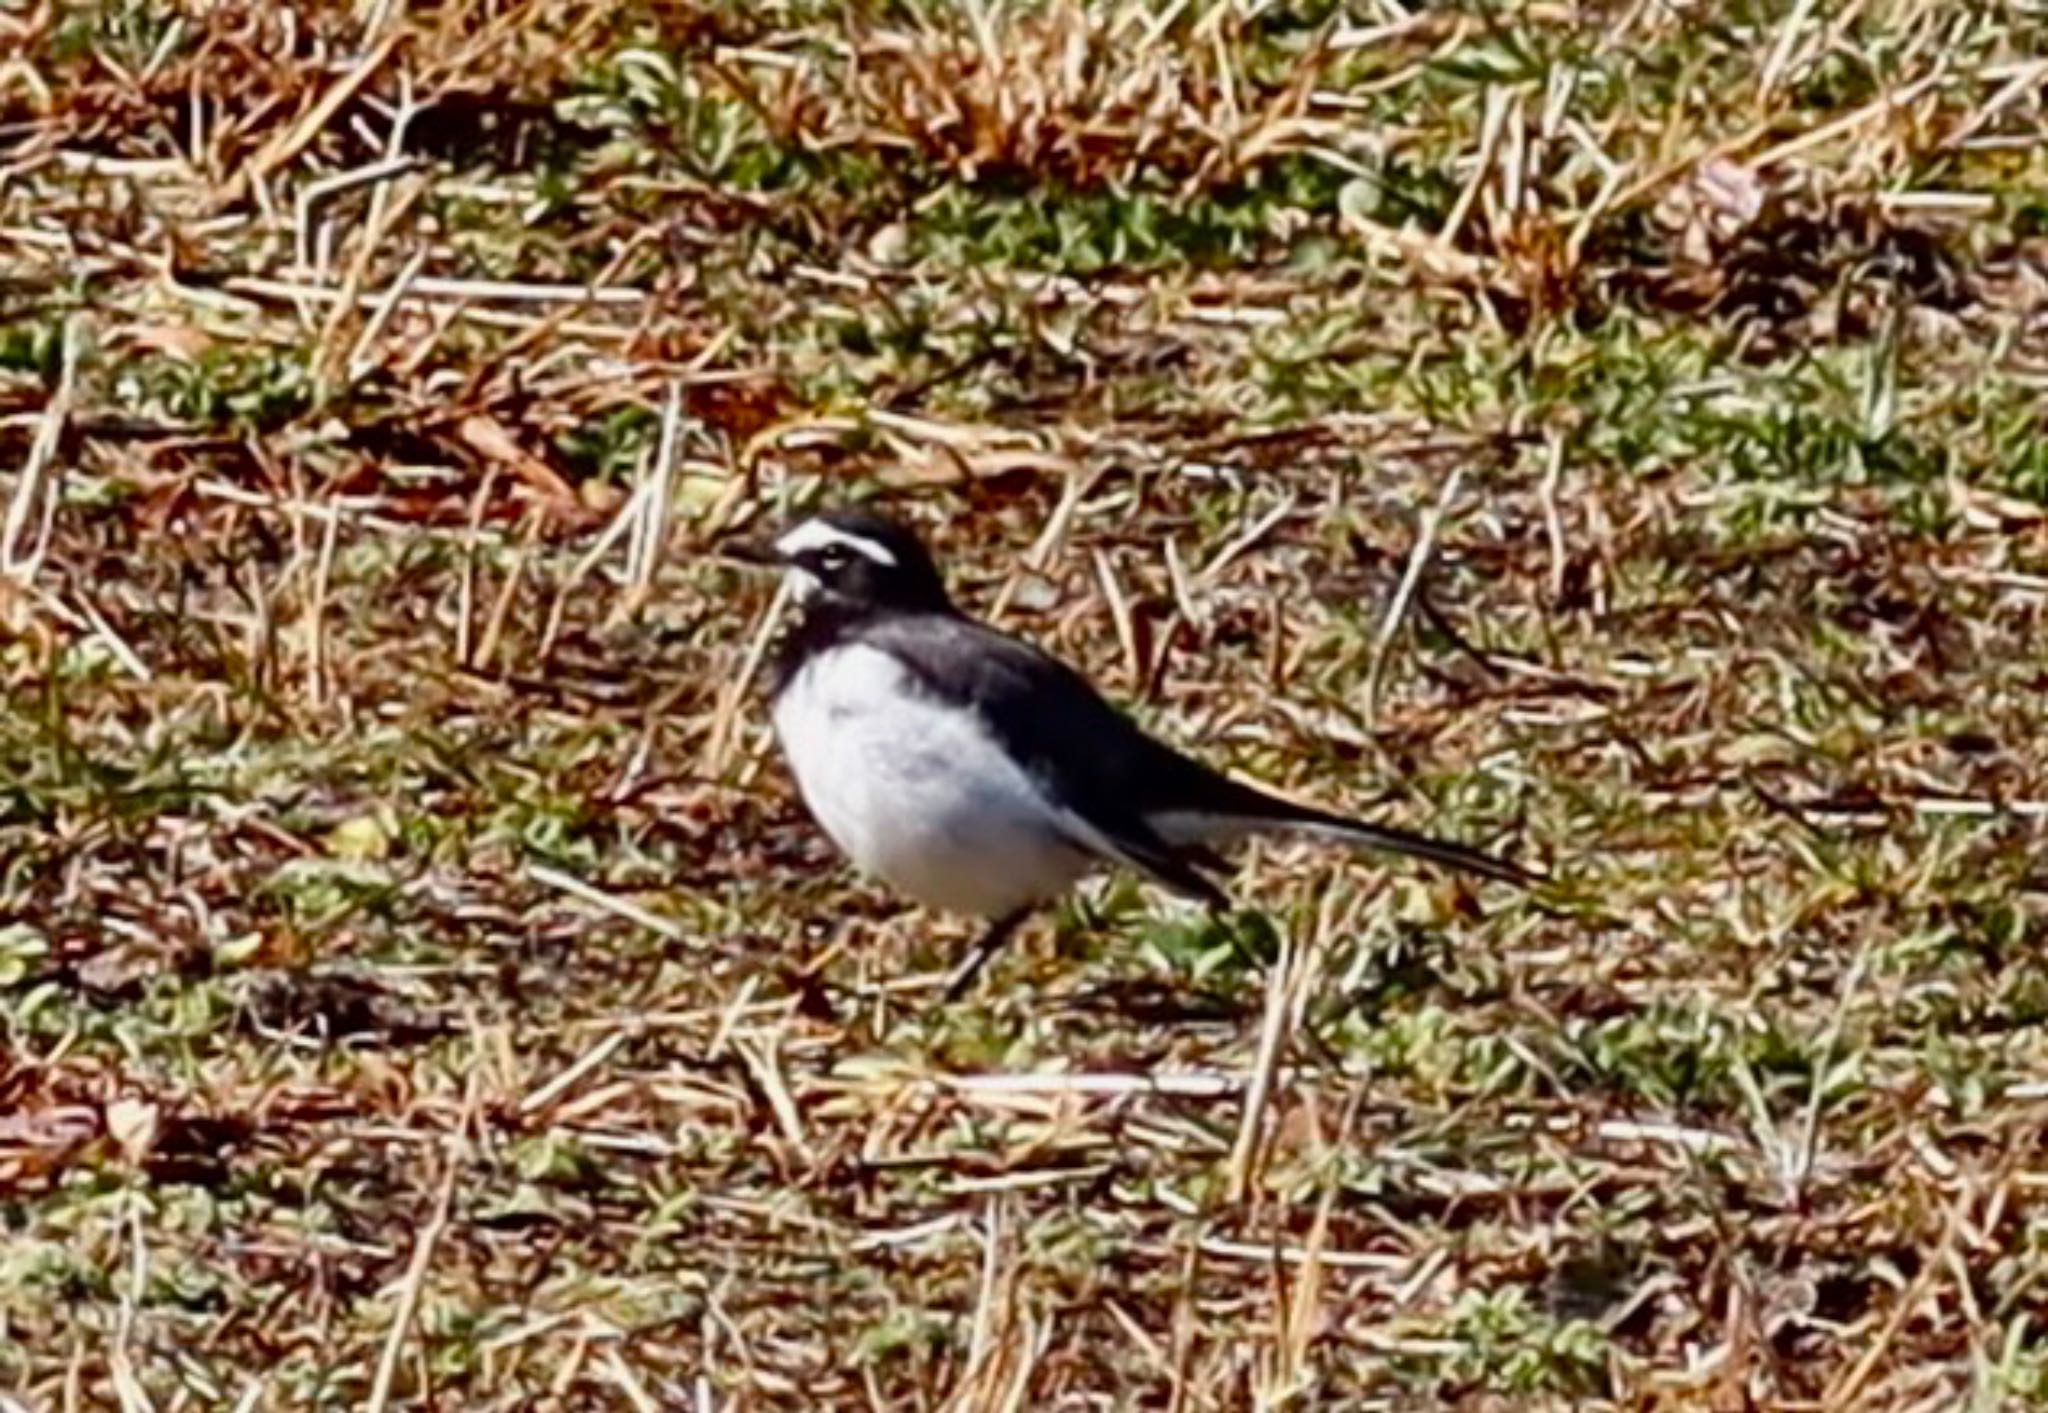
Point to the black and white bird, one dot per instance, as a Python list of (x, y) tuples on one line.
[(975, 772)]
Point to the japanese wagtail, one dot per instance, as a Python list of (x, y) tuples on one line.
[(977, 773)]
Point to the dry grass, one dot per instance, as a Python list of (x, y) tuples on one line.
[(1610, 432)]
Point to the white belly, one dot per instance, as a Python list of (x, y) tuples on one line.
[(916, 794)]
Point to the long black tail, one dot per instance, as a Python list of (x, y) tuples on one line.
[(1420, 846), (1256, 811)]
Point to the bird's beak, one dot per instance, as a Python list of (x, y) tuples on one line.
[(742, 550)]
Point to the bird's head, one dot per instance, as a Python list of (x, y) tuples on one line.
[(853, 558)]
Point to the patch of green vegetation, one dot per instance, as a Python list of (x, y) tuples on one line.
[(1504, 1344), (904, 1333), (557, 1160), (1096, 232), (228, 387), (32, 346), (693, 124), (62, 771), (1214, 944), (126, 32), (613, 447), (1690, 1058), (1425, 1046)]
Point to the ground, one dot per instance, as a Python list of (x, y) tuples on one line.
[(1611, 434)]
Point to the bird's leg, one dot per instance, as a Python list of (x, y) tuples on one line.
[(991, 942)]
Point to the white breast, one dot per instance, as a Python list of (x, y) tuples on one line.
[(917, 793)]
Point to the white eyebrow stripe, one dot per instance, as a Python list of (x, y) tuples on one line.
[(817, 534)]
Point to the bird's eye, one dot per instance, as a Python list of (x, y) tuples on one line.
[(833, 556)]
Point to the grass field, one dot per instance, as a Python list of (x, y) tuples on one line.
[(1609, 433)]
